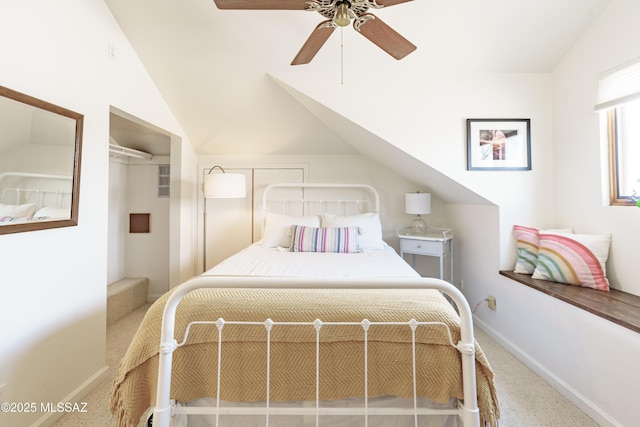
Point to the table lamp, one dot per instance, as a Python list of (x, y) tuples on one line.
[(418, 204)]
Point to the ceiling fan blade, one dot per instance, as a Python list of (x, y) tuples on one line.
[(387, 3), (262, 4), (385, 37), (313, 44)]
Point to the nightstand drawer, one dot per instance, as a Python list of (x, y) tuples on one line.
[(421, 247)]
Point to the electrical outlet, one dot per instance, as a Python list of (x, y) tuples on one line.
[(491, 302)]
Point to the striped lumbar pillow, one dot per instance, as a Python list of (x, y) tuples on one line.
[(312, 239), (576, 259)]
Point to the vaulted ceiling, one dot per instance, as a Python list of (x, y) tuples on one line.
[(211, 65)]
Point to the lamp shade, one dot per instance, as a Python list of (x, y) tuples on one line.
[(225, 186), (417, 203)]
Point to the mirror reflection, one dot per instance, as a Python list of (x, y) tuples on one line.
[(39, 163)]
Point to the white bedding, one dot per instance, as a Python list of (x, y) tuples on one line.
[(257, 260)]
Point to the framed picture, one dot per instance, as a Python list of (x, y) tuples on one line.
[(498, 144)]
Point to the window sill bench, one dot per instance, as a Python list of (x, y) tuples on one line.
[(617, 306)]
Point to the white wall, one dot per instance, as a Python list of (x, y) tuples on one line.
[(148, 253), (117, 226), (133, 187), (183, 212), (53, 282)]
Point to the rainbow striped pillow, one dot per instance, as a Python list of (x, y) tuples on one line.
[(323, 239), (527, 242), (575, 259)]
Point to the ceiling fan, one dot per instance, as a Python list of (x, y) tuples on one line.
[(339, 13)]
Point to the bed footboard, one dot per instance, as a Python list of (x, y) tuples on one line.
[(467, 411)]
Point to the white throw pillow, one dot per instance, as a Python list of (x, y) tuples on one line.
[(51, 212), (277, 229), (27, 209), (369, 226)]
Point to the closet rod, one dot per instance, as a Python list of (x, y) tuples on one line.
[(129, 152)]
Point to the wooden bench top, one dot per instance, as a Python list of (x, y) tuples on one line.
[(617, 306)]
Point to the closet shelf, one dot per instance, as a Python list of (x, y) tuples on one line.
[(129, 152)]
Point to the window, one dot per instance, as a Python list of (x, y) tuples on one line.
[(624, 153), (619, 99)]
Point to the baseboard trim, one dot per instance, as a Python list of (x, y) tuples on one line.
[(76, 395), (577, 398)]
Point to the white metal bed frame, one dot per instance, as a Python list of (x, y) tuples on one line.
[(41, 197), (372, 205), (164, 408)]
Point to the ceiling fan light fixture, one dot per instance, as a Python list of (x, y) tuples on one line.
[(342, 14), (336, 13)]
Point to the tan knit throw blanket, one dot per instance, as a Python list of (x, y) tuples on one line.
[(293, 356)]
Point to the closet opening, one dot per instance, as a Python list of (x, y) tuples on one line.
[(138, 265)]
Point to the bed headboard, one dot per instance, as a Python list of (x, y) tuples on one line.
[(300, 199), (17, 188)]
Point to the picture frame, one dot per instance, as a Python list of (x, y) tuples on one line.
[(498, 144)]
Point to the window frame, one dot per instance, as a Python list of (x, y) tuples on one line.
[(612, 135)]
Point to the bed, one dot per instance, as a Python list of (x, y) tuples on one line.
[(31, 197), (299, 337)]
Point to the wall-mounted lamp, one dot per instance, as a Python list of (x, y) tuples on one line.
[(220, 186), (418, 204)]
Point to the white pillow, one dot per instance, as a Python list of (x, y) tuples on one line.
[(369, 225), (27, 209), (51, 212), (277, 229)]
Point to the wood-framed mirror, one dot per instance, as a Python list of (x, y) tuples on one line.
[(40, 151)]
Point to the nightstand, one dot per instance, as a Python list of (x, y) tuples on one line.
[(436, 242)]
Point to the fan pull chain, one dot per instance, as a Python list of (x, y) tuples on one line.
[(341, 55)]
